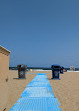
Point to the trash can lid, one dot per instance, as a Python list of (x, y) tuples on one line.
[(55, 66), (21, 65)]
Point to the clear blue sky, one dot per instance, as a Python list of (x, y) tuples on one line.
[(40, 32)]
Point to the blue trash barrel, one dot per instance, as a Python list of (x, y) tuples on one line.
[(61, 70), (55, 71)]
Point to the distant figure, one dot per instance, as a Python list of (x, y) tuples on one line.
[(72, 68)]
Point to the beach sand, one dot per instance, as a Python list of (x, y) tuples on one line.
[(66, 89), (16, 87)]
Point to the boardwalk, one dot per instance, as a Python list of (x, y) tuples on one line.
[(37, 96)]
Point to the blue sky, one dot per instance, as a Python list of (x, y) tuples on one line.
[(40, 32)]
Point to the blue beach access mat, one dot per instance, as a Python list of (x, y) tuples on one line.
[(37, 96)]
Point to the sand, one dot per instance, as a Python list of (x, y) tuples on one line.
[(66, 89), (16, 87)]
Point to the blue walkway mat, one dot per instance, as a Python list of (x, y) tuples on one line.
[(37, 96)]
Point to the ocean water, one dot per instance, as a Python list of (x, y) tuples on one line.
[(38, 68)]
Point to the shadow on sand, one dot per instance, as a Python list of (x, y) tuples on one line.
[(52, 79), (19, 78)]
